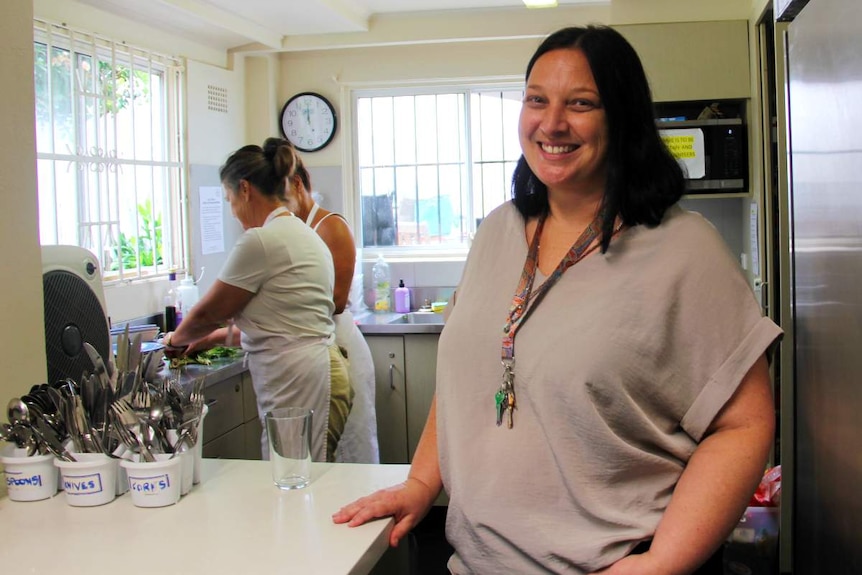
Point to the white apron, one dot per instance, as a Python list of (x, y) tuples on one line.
[(358, 443), (293, 374)]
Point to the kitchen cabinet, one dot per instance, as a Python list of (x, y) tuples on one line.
[(231, 428), (387, 354), (420, 353), (405, 368)]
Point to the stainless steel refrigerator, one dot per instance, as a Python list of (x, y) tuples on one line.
[(824, 109)]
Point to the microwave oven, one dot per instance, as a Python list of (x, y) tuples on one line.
[(713, 153)]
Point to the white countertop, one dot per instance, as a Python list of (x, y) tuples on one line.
[(235, 521)]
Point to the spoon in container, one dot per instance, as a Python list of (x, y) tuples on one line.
[(19, 416), (18, 412), (5, 431)]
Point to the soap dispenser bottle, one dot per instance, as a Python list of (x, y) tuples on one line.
[(402, 298)]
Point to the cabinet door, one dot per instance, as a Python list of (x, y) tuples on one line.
[(252, 427), (420, 351), (224, 401), (387, 353), (230, 445)]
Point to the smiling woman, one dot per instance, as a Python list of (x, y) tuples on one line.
[(602, 378)]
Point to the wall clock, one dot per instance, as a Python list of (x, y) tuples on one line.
[(308, 121)]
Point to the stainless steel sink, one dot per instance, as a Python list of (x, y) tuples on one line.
[(418, 317)]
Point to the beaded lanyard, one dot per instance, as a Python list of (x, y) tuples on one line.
[(521, 307)]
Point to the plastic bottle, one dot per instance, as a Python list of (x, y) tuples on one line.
[(170, 300), (382, 282), (188, 297), (402, 298)]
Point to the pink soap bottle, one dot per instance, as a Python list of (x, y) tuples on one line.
[(402, 298)]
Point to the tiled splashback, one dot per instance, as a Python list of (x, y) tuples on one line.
[(427, 280)]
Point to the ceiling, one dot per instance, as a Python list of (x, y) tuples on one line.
[(226, 24)]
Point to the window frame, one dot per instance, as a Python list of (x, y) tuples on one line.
[(351, 93), (167, 173)]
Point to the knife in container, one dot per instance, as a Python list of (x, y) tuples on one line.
[(99, 365), (49, 439)]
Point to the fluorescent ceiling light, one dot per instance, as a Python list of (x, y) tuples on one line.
[(540, 3)]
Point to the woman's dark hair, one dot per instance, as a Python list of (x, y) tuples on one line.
[(302, 173), (643, 177), (267, 168)]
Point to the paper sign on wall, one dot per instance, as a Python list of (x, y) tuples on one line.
[(686, 145), (212, 220)]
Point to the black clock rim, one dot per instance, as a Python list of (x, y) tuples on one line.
[(329, 105)]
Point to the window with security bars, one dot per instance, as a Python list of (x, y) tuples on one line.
[(432, 164), (110, 164)]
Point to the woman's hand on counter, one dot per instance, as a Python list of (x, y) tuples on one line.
[(173, 350), (406, 502)]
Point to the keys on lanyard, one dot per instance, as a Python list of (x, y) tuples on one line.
[(504, 399)]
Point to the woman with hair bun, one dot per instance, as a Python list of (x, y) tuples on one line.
[(277, 286)]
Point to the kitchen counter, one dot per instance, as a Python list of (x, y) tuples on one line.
[(234, 521), (381, 323)]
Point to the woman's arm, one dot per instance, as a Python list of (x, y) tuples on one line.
[(220, 304), (336, 234), (407, 502), (716, 485)]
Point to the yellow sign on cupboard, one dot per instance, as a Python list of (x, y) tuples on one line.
[(687, 147)]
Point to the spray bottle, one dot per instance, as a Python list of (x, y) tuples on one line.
[(382, 283)]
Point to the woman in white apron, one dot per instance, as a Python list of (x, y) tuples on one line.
[(277, 286), (359, 442)]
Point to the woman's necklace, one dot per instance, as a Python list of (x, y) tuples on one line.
[(525, 301)]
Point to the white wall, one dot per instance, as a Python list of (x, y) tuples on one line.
[(22, 335), (213, 135)]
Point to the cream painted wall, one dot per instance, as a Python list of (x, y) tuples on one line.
[(212, 135), (684, 60), (262, 106), (23, 334), (509, 23)]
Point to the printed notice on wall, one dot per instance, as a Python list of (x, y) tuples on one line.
[(686, 145), (212, 220)]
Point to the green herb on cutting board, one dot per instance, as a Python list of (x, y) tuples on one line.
[(207, 356)]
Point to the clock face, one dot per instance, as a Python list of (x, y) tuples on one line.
[(308, 121)]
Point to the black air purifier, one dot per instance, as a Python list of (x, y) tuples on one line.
[(74, 311)]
